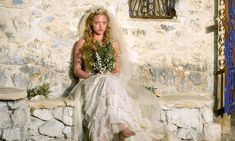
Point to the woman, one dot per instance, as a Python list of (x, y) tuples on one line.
[(103, 105)]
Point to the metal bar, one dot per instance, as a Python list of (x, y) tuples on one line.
[(155, 9)]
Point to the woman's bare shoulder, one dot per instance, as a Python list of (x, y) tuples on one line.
[(115, 45), (80, 43)]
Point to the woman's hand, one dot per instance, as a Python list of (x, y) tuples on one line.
[(116, 74)]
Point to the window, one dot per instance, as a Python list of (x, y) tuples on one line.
[(153, 9)]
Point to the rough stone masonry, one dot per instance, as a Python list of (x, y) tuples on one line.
[(176, 56)]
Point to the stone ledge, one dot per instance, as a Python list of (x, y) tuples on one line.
[(10, 93), (50, 103), (186, 101), (176, 101)]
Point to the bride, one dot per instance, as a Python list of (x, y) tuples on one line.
[(110, 106)]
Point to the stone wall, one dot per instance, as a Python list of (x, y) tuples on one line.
[(15, 116), (56, 122), (51, 124), (189, 117), (176, 56)]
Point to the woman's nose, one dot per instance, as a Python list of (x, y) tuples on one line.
[(100, 25)]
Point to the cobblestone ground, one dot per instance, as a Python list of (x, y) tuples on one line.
[(232, 136)]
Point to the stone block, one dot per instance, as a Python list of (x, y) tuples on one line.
[(39, 138), (32, 132), (4, 78), (12, 134), (21, 80), (207, 114), (16, 3), (51, 103), (3, 106), (9, 93), (20, 117), (196, 78), (185, 118), (212, 132), (52, 128), (57, 25), (186, 101), (68, 132), (36, 13), (5, 120), (17, 104), (188, 134), (188, 116), (43, 114), (35, 123), (172, 128), (64, 114)]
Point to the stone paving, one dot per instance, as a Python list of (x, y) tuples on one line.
[(230, 137)]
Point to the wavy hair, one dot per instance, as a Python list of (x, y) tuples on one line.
[(88, 32)]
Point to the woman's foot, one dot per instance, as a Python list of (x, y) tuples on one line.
[(125, 133)]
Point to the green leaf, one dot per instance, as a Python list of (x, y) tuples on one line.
[(39, 90)]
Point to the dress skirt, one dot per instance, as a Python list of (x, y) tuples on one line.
[(105, 106)]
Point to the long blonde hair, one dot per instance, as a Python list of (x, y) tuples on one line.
[(88, 32)]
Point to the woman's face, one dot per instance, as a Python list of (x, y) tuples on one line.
[(99, 24)]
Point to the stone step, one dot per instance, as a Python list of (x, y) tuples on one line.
[(10, 93), (50, 103), (187, 101)]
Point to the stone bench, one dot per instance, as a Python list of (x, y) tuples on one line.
[(50, 103), (9, 93), (190, 117), (51, 119)]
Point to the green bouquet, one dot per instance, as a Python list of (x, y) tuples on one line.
[(102, 58)]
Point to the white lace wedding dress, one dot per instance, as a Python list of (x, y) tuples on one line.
[(105, 107), (106, 104)]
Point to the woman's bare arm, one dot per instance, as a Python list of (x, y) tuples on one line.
[(118, 60), (77, 65)]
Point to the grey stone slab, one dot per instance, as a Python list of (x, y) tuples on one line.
[(10, 93), (39, 138), (3, 105), (17, 104), (12, 134), (43, 114), (20, 117), (64, 114), (5, 120), (68, 132), (52, 128), (35, 123)]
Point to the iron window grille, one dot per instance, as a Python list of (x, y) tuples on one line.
[(152, 9)]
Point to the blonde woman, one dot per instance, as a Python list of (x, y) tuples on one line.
[(104, 107)]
